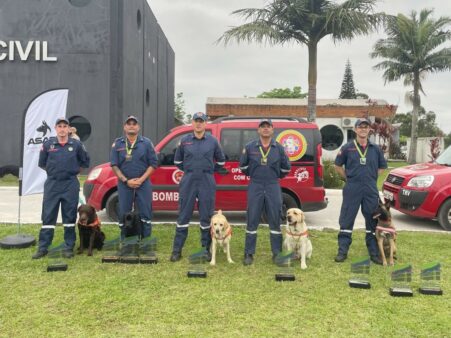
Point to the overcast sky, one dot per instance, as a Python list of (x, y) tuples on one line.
[(204, 69)]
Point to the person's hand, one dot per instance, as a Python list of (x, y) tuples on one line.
[(134, 183)]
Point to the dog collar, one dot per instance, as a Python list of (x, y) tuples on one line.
[(386, 229), (229, 233), (95, 224), (305, 233)]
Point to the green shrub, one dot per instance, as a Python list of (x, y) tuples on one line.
[(331, 178)]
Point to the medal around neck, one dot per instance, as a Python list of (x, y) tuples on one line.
[(285, 269), (56, 261), (198, 264), (360, 273)]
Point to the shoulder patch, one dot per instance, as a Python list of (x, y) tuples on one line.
[(244, 151)]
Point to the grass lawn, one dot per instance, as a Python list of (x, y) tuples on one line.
[(93, 299)]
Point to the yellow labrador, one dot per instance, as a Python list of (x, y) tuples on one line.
[(296, 236), (221, 233)]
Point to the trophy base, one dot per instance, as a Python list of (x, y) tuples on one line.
[(197, 274), (110, 259), (282, 277), (129, 259), (359, 284), (431, 291), (57, 267), (401, 292), (148, 260)]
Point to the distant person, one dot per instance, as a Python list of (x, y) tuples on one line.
[(363, 161), (198, 155), (265, 161), (133, 160), (62, 158)]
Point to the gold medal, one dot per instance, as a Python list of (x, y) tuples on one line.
[(362, 156), (363, 160), (264, 159), (128, 157)]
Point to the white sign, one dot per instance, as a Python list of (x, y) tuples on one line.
[(12, 49), (40, 119)]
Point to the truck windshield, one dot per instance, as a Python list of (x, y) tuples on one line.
[(445, 157)]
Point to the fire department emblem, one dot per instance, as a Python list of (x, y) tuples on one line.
[(177, 176), (294, 143), (301, 175)]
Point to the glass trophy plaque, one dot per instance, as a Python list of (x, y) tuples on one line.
[(401, 280), (56, 261), (430, 279), (111, 250), (148, 251), (285, 270), (360, 273), (198, 264), (129, 253)]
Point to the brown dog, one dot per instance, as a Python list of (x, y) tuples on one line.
[(89, 229), (221, 233), (385, 233)]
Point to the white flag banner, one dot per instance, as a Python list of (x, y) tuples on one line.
[(39, 126)]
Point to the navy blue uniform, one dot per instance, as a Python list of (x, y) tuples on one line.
[(360, 190), (62, 164), (143, 156), (199, 159), (264, 193)]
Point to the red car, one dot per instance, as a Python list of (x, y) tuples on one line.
[(422, 190), (303, 187)]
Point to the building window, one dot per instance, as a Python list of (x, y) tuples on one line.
[(79, 3), (332, 137), (82, 125)]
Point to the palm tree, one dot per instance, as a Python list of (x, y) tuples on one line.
[(410, 50), (305, 22)]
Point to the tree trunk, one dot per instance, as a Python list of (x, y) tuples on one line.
[(414, 133), (312, 78)]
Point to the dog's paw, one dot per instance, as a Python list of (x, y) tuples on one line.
[(79, 252), (230, 261), (212, 263), (89, 253), (303, 266)]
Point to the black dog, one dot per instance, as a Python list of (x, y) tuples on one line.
[(132, 224), (89, 229)]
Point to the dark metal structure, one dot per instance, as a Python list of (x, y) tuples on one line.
[(112, 56)]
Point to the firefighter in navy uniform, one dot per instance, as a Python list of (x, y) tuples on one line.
[(198, 155), (62, 158), (265, 161), (133, 160), (363, 161)]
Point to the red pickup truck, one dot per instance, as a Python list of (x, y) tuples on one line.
[(422, 190)]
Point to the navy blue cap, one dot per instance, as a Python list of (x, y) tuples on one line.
[(362, 120), (61, 119), (200, 115), (268, 121), (131, 117)]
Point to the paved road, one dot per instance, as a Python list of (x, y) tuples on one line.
[(327, 218)]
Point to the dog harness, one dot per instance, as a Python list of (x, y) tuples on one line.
[(95, 224), (229, 233), (305, 233), (386, 229)]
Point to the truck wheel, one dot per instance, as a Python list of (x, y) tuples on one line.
[(288, 202), (444, 215), (112, 207)]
